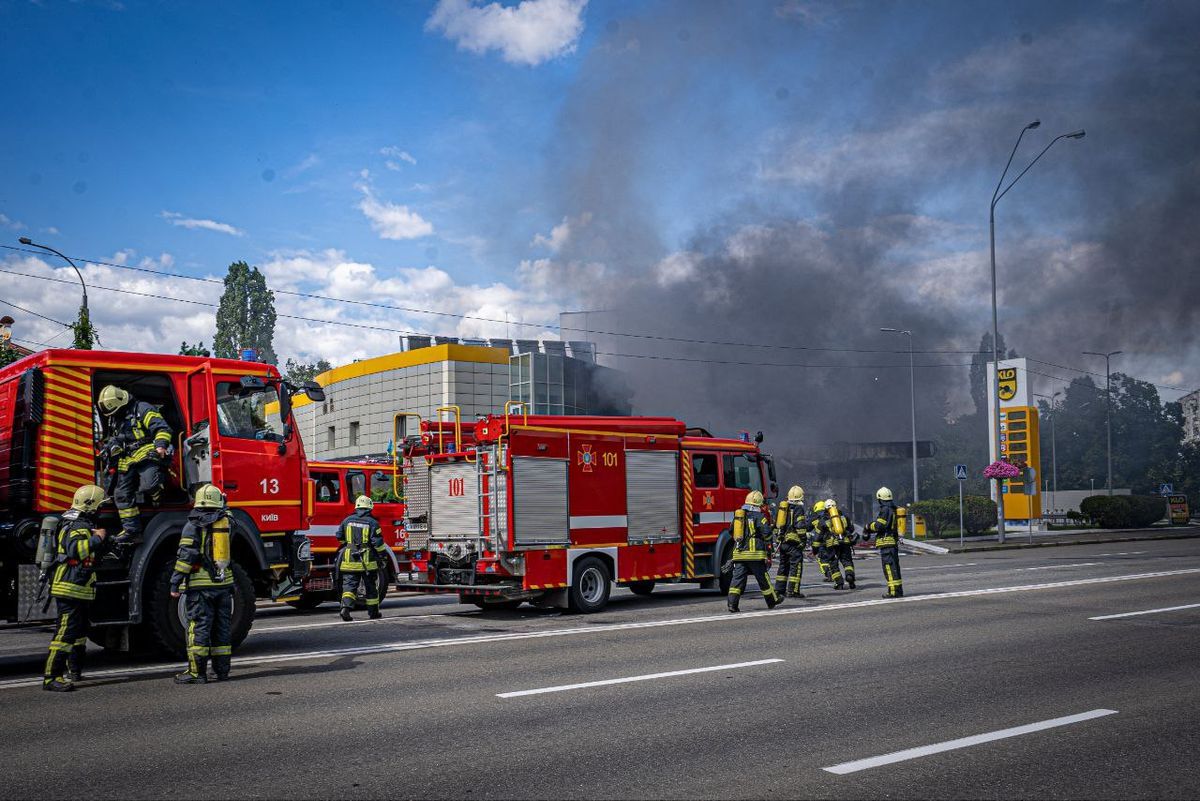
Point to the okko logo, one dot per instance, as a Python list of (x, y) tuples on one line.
[(458, 487)]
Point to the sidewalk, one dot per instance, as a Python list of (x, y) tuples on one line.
[(1044, 539)]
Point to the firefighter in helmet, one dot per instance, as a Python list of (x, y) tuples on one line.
[(814, 526), (847, 536), (136, 445), (791, 526), (204, 570), (358, 561), (887, 540), (825, 533), (73, 587), (751, 551)]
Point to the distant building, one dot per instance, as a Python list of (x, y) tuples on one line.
[(362, 398), (1191, 416)]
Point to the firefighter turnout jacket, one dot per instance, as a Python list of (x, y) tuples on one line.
[(138, 429), (204, 551), (791, 522), (74, 562), (751, 535), (884, 526), (362, 543)]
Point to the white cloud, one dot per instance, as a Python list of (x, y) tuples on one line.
[(191, 223), (51, 230), (561, 233), (394, 156), (390, 220), (530, 32), (7, 222), (305, 164)]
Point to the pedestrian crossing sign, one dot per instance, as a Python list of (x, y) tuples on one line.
[(1166, 489), (960, 472)]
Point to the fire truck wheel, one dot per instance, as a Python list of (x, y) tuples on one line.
[(641, 587), (308, 602), (591, 587), (504, 606), (168, 619)]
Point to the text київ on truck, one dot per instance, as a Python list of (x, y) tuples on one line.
[(232, 427), (555, 510)]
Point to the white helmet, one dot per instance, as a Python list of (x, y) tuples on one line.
[(883, 494)]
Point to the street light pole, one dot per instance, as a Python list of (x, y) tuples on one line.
[(87, 316), (995, 399), (1053, 444), (912, 397), (1108, 405)]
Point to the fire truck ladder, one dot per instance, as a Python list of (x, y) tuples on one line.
[(487, 474)]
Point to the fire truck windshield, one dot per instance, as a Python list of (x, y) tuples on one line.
[(248, 415)]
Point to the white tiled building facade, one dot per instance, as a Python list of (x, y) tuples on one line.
[(1191, 416)]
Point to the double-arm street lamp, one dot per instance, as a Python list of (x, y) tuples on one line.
[(996, 195), (912, 396), (1108, 406)]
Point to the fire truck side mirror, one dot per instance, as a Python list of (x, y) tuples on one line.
[(758, 437), (314, 391)]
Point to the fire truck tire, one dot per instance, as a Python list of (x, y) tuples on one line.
[(168, 623), (591, 587), (488, 606), (309, 602), (641, 587)]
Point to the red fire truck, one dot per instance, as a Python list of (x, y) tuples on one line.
[(337, 486), (233, 427), (556, 509)]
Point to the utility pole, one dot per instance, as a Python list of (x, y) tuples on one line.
[(912, 397), (1108, 404)]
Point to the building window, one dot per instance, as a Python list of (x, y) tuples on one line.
[(331, 440), (354, 433), (331, 404)]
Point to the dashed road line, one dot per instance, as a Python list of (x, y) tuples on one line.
[(1145, 612), (647, 677)]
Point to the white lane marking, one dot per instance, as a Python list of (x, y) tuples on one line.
[(1056, 567), (939, 567), (725, 617), (647, 677), (964, 742), (1145, 612), (1123, 553)]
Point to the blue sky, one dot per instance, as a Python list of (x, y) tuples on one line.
[(502, 160)]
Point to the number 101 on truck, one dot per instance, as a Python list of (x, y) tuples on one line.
[(555, 510)]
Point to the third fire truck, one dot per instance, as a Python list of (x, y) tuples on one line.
[(555, 510)]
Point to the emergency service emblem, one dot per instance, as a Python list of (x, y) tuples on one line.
[(709, 500), (1008, 383), (585, 458)]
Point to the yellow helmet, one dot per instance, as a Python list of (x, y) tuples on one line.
[(364, 502), (88, 498), (209, 497), (754, 498), (883, 494), (112, 398), (819, 506), (796, 493)]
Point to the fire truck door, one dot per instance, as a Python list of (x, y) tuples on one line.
[(201, 441)]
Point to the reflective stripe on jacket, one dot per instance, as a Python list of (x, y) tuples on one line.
[(884, 526), (140, 430), (751, 535), (791, 521), (194, 563), (362, 543)]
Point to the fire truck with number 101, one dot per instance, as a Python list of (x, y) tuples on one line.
[(554, 510)]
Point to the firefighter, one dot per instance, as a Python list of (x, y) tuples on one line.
[(73, 588), (203, 565), (791, 526), (847, 537), (751, 551), (362, 547), (818, 511), (888, 542), (824, 530), (138, 438)]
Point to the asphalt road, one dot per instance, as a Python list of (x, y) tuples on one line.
[(443, 701)]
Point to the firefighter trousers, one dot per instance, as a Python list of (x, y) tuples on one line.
[(70, 640), (845, 554), (890, 556), (791, 569), (741, 573), (350, 582), (828, 557), (143, 476), (210, 624), (821, 563)]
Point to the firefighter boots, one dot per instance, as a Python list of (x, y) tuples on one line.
[(346, 614)]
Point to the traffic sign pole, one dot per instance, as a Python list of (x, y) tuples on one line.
[(960, 472)]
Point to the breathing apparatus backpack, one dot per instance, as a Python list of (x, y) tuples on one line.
[(47, 545), (836, 522), (220, 547)]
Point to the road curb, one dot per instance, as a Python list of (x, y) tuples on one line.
[(1089, 541)]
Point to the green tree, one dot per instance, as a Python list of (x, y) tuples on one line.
[(979, 370), (85, 332), (246, 315), (8, 354), (297, 372), (193, 350)]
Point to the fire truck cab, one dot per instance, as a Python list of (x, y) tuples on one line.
[(232, 427), (336, 486), (555, 510)]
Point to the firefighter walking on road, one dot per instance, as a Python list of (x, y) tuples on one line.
[(791, 526), (846, 537), (827, 538), (887, 541), (137, 438), (73, 588), (362, 548), (751, 551), (814, 539), (204, 571)]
